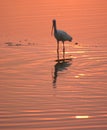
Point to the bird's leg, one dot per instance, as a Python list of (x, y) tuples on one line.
[(58, 50), (63, 51)]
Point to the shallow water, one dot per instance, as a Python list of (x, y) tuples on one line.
[(36, 92)]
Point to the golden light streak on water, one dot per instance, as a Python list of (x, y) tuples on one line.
[(82, 117)]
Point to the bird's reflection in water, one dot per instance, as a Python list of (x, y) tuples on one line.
[(60, 66)]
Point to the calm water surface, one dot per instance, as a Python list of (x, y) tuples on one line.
[(35, 91)]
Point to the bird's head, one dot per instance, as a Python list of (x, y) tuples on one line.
[(54, 22), (53, 25)]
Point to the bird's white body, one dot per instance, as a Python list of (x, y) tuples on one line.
[(60, 36)]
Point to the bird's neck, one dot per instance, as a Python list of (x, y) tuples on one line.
[(55, 29)]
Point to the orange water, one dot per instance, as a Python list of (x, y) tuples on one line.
[(35, 91)]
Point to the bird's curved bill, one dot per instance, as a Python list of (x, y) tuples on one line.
[(52, 31)]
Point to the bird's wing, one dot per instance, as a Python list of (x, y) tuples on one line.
[(63, 35)]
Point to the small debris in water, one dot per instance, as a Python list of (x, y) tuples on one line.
[(76, 43), (20, 43), (9, 43)]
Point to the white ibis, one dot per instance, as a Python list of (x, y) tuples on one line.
[(60, 36)]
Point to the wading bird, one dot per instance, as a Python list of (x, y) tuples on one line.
[(60, 36)]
